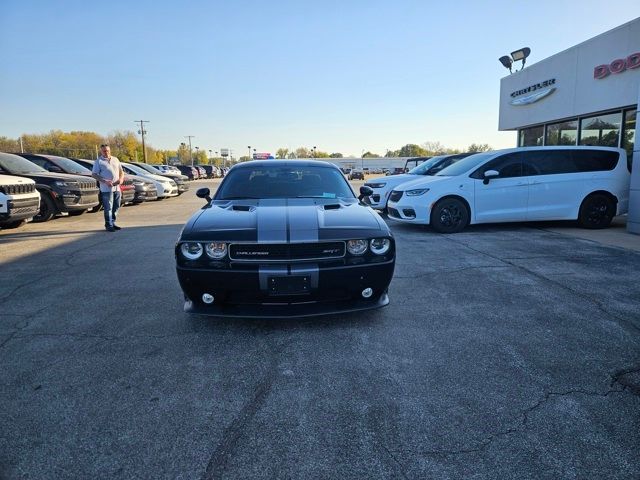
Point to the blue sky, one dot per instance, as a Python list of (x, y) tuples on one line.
[(344, 76)]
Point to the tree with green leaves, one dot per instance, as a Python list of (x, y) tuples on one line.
[(412, 150)]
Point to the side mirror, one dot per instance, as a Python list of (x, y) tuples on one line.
[(204, 193), (365, 193), (55, 169), (489, 174)]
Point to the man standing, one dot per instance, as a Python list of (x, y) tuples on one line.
[(108, 172)]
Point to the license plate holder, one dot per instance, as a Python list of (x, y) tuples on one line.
[(289, 285)]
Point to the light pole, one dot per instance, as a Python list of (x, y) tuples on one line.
[(362, 159), (210, 157), (190, 151), (249, 147), (313, 152), (197, 151), (254, 154), (142, 132)]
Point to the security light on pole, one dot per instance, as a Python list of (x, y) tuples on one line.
[(516, 56)]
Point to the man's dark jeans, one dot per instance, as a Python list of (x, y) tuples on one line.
[(111, 205)]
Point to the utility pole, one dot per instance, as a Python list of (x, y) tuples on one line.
[(21, 146), (190, 151), (142, 132)]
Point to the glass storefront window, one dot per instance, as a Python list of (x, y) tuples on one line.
[(629, 134), (602, 130), (531, 137), (563, 133)]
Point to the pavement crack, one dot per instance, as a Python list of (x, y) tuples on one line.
[(232, 433), (597, 303)]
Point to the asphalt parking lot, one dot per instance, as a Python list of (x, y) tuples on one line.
[(507, 351)]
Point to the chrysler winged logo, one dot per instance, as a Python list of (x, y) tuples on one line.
[(533, 93)]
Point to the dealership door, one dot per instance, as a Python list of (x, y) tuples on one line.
[(503, 199)]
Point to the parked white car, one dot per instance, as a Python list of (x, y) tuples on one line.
[(588, 184), (165, 186), (19, 200), (383, 186)]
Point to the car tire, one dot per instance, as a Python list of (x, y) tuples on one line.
[(449, 215), (47, 208), (597, 211)]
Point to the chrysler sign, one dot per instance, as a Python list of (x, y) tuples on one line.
[(533, 93)]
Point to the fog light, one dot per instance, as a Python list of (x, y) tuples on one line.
[(367, 292), (207, 298)]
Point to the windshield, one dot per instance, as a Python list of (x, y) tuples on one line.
[(464, 165), (150, 169), (425, 166), (295, 181), (72, 167), (17, 165), (136, 169)]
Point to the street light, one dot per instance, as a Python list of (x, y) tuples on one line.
[(190, 151), (516, 56), (249, 147)]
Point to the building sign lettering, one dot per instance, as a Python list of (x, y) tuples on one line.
[(533, 93), (617, 66)]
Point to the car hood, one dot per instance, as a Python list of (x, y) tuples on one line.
[(393, 180), (49, 177), (423, 181), (284, 220)]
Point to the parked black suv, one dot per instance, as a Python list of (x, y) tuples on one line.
[(59, 192), (190, 172)]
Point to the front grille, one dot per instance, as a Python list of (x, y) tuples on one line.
[(27, 205), (395, 196), (284, 252), (18, 188), (88, 185)]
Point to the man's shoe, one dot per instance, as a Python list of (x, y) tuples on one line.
[(110, 229), (116, 227)]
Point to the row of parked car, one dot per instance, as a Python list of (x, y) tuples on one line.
[(38, 187), (195, 172)]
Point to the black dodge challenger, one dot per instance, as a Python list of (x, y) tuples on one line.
[(284, 239)]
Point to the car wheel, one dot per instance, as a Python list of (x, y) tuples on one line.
[(596, 211), (47, 209), (449, 215)]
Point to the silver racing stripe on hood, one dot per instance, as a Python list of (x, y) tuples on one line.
[(303, 220), (272, 220)]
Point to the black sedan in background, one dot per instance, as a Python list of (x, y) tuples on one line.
[(284, 239)]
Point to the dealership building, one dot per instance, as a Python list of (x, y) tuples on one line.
[(586, 95)]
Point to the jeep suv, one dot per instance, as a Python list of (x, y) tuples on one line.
[(19, 201), (59, 192)]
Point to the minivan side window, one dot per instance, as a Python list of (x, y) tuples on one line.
[(595, 160), (509, 165), (554, 162)]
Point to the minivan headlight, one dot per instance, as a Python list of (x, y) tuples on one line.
[(416, 192), (216, 250), (380, 246), (191, 250), (357, 247)]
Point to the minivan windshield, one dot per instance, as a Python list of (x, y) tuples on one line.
[(425, 166), (18, 165), (295, 181), (464, 165)]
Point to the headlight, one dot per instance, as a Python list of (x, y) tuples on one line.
[(375, 185), (216, 250), (416, 192), (191, 251), (138, 183), (380, 246), (357, 247), (60, 183), (172, 183)]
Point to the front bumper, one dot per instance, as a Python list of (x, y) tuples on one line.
[(78, 200), (145, 195), (408, 212), (239, 290), (20, 208)]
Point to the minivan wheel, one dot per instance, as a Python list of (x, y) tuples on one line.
[(449, 215), (47, 209), (596, 211)]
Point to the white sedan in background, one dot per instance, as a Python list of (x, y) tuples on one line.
[(165, 186), (383, 186)]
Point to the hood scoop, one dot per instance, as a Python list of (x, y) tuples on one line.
[(332, 206), (242, 208)]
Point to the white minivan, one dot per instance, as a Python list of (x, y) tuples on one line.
[(588, 184)]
